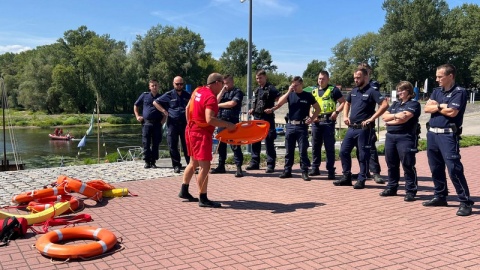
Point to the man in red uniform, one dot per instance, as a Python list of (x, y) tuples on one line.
[(201, 114)]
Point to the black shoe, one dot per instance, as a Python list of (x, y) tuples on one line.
[(368, 175), (286, 175), (147, 165), (210, 204), (314, 172), (346, 180), (188, 197), (305, 176), (409, 197), (269, 170), (331, 176), (378, 179), (176, 169), (464, 210), (153, 166), (435, 202), (359, 185), (388, 192), (219, 169), (251, 167), (239, 172)]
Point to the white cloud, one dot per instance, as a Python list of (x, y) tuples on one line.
[(13, 48)]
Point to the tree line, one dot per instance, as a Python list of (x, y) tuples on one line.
[(82, 67)]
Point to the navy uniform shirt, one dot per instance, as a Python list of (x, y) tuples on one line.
[(175, 105), (409, 106), (375, 85), (149, 112), (231, 113), (272, 94), (299, 105), (456, 98), (363, 103)]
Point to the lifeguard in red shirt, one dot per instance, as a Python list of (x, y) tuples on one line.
[(201, 122)]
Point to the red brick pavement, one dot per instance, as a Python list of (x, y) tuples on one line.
[(272, 223)]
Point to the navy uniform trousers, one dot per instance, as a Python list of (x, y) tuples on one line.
[(294, 134), (176, 130), (151, 139), (323, 134), (401, 148), (361, 139), (270, 147), (444, 149), (222, 151)]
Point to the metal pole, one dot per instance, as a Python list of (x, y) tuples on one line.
[(249, 67), (98, 130), (5, 162)]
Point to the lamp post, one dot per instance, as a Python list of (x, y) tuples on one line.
[(249, 67)]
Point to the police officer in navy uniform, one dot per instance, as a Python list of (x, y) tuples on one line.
[(401, 141), (174, 103), (151, 120), (447, 106), (361, 103), (230, 106), (299, 104), (265, 96), (373, 163), (323, 128)]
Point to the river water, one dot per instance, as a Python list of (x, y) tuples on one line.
[(37, 150)]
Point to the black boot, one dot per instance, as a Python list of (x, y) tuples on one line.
[(219, 169), (346, 180), (147, 165), (205, 202), (184, 194), (239, 172)]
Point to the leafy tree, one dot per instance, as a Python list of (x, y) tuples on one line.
[(341, 65), (264, 61), (463, 30), (310, 74), (411, 40), (235, 58)]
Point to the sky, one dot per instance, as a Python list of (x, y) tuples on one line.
[(295, 32)]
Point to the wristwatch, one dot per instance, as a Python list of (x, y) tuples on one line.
[(337, 112), (439, 108)]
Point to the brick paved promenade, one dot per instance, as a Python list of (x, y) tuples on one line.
[(272, 223)]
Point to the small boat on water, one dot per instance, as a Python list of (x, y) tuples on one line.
[(60, 137)]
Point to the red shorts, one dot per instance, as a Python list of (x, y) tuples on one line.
[(199, 145)]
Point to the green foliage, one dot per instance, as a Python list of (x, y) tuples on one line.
[(121, 119), (310, 75)]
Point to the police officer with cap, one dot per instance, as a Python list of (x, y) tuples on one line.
[(299, 104), (151, 120), (265, 96), (447, 106), (173, 103), (401, 142), (359, 115), (323, 128), (230, 106)]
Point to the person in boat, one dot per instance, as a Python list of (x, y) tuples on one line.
[(173, 103), (299, 105), (230, 105), (323, 128), (265, 96), (61, 132), (56, 132), (202, 119), (151, 120)]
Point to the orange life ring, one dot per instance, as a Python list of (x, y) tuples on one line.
[(47, 202), (247, 132), (37, 194), (74, 185), (47, 243)]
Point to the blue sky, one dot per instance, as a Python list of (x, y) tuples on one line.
[(295, 32)]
